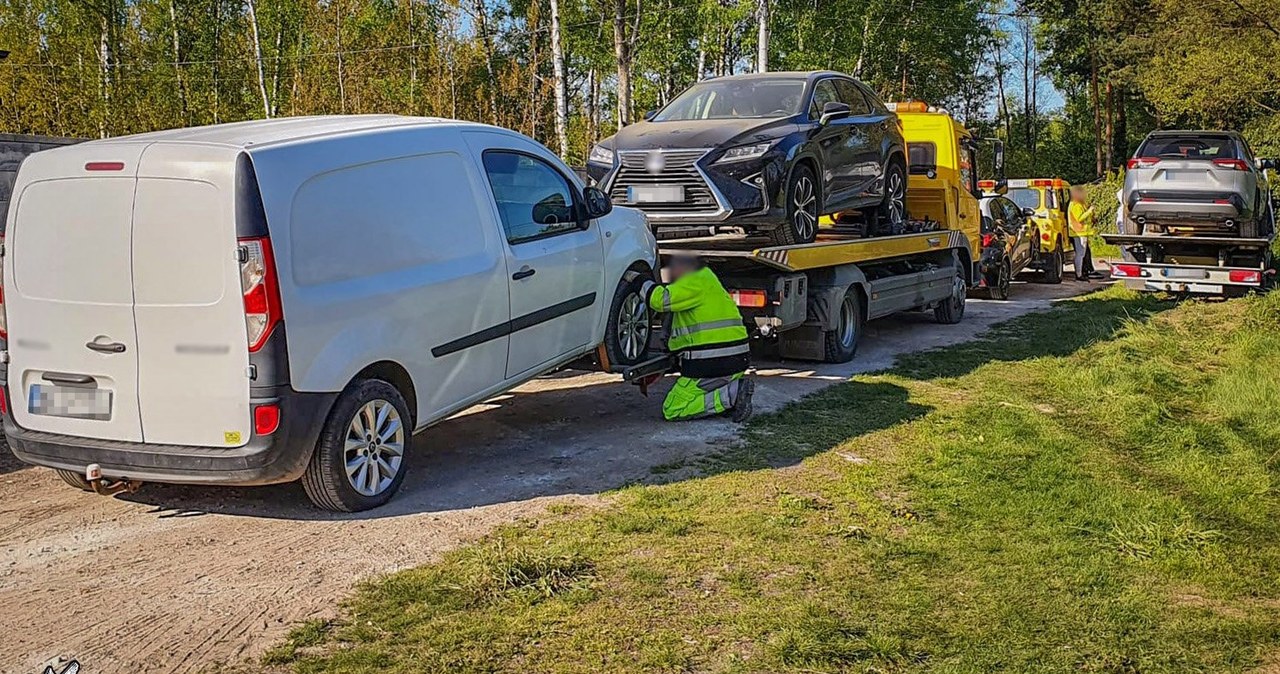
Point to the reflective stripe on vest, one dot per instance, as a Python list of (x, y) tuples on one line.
[(721, 352), (709, 325)]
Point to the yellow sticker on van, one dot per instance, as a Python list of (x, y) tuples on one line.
[(231, 437)]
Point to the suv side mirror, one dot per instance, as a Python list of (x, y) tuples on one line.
[(1029, 212), (596, 203), (649, 115), (832, 111), (1264, 164)]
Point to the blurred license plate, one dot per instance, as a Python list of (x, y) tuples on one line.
[(1184, 174), (70, 401), (655, 194), (1195, 274)]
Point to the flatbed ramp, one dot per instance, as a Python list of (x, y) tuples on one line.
[(829, 250)]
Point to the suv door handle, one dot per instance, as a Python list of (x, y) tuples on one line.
[(525, 272), (113, 347)]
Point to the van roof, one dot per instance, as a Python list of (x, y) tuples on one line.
[(257, 133)]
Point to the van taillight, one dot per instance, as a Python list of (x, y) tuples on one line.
[(261, 290)]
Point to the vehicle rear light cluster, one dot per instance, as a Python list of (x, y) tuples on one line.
[(987, 239), (1233, 164), (104, 166), (749, 298), (4, 402), (4, 318), (1143, 162), (261, 289), (1126, 270), (1245, 276), (266, 419)]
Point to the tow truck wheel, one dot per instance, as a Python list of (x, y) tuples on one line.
[(1053, 267), (74, 479), (951, 310), (841, 344), (804, 204)]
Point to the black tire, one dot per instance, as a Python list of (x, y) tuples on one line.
[(74, 479), (621, 350), (998, 288), (1053, 267), (891, 215), (804, 206), (840, 345), (951, 310), (326, 480)]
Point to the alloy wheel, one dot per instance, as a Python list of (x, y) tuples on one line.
[(633, 326), (374, 447), (805, 217), (897, 199)]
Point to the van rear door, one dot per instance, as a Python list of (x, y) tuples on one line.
[(193, 374), (68, 283)]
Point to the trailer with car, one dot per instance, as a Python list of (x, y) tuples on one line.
[(810, 301)]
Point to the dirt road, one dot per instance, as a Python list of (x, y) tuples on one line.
[(173, 579)]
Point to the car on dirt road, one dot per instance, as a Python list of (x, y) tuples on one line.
[(767, 153), (1008, 239), (291, 299), (1198, 182)]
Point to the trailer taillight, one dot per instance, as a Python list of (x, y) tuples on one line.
[(261, 289), (1245, 276), (1126, 270), (749, 298)]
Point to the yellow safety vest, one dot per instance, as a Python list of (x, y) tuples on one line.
[(1081, 218), (705, 322)]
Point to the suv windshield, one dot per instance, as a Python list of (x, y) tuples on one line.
[(1190, 147), (1025, 197), (733, 99)]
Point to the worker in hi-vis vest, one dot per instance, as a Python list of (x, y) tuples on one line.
[(709, 339)]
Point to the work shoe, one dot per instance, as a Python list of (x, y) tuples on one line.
[(742, 406)]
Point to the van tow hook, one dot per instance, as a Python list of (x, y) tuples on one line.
[(103, 487)]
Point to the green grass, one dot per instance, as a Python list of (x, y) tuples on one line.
[(1088, 490)]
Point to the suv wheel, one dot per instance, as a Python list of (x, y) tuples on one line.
[(892, 214), (626, 336), (359, 460), (804, 205)]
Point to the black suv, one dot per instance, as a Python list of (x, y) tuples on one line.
[(768, 152)]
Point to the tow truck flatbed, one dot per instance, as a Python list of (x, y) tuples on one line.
[(829, 250)]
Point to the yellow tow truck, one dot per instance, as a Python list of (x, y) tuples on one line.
[(815, 298), (1049, 198)]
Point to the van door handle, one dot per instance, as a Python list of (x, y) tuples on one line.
[(525, 272), (60, 378), (113, 347)]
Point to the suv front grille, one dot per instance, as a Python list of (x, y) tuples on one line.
[(681, 169)]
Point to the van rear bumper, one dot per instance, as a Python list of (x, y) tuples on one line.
[(279, 457)]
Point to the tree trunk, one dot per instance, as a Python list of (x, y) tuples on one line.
[(1121, 149), (275, 70), (593, 107), (1097, 111), (177, 63), (1002, 106), (557, 70), (217, 43), (482, 26), (622, 52), (342, 86), (104, 75), (257, 55), (413, 62), (1110, 129), (762, 37)]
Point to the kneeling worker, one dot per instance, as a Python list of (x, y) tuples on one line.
[(710, 340)]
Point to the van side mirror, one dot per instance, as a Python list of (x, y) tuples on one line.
[(648, 116), (832, 111), (596, 203)]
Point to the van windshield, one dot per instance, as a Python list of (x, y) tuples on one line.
[(736, 99)]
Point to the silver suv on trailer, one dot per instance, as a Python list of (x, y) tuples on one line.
[(1198, 182)]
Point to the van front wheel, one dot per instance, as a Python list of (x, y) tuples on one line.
[(359, 461)]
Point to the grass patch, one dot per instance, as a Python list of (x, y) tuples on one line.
[(1092, 489)]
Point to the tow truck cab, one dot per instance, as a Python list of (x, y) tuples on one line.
[(942, 176)]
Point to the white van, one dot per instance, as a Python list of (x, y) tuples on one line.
[(260, 302)]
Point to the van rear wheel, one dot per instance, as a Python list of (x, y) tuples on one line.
[(359, 460)]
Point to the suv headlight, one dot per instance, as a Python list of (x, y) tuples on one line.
[(743, 152), (600, 155)]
